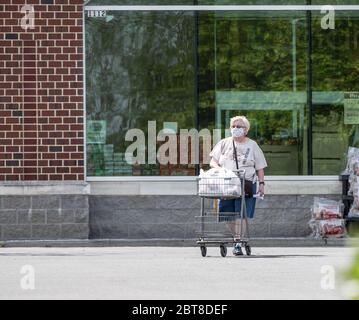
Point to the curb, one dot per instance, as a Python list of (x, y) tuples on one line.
[(255, 242)]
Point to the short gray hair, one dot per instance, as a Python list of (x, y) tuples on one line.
[(243, 120)]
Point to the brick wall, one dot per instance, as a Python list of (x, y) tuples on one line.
[(41, 91)]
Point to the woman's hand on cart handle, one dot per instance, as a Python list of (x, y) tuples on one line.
[(214, 164), (258, 196)]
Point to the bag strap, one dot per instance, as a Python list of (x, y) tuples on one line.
[(235, 154)]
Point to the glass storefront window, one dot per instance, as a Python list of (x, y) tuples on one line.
[(335, 92), (139, 69), (197, 69), (258, 67)]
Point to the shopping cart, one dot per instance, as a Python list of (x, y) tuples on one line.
[(214, 229)]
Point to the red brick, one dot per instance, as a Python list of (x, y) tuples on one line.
[(5, 15), (48, 170), (46, 14), (55, 50), (30, 149), (62, 170), (30, 156), (30, 163), (48, 141), (11, 50), (55, 177), (29, 177), (12, 134), (43, 134), (12, 120), (26, 36), (47, 92), (56, 163), (47, 29), (12, 148), (30, 141), (69, 36), (30, 170), (61, 70), (70, 177), (62, 85), (69, 49), (77, 170), (69, 78), (55, 36), (13, 178), (54, 78), (70, 149), (76, 29), (48, 156), (28, 113), (62, 15)]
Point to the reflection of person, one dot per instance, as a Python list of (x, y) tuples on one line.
[(250, 158)]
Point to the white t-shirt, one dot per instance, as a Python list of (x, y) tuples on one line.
[(249, 154)]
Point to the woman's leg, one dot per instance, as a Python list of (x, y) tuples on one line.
[(227, 208), (250, 203)]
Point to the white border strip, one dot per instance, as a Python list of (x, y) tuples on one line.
[(223, 8), (84, 95), (212, 8), (193, 178)]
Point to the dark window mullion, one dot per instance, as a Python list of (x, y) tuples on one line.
[(309, 90)]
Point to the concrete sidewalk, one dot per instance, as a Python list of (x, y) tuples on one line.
[(255, 242), (172, 273)]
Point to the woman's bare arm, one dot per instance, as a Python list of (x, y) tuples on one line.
[(260, 174), (214, 164)]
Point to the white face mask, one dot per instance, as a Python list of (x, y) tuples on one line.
[(237, 132)]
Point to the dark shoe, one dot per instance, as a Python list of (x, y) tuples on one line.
[(237, 251)]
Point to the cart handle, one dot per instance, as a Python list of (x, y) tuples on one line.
[(239, 170)]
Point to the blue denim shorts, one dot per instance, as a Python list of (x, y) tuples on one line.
[(231, 209)]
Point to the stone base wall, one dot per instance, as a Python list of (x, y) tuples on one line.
[(42, 217), (83, 216), (173, 217)]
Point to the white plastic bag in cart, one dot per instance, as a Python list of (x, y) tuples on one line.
[(332, 228), (219, 182)]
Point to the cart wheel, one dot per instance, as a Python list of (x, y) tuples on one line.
[(248, 250), (203, 251), (223, 249)]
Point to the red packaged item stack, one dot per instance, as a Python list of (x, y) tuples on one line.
[(332, 227), (327, 220), (353, 171), (325, 209)]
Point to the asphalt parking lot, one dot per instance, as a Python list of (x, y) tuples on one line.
[(172, 273)]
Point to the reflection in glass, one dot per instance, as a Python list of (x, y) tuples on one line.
[(139, 68), (335, 79), (254, 64), (198, 69)]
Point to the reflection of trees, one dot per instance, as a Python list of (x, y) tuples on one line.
[(252, 54), (141, 69), (255, 54), (336, 56)]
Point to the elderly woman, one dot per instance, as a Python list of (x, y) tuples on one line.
[(250, 158)]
